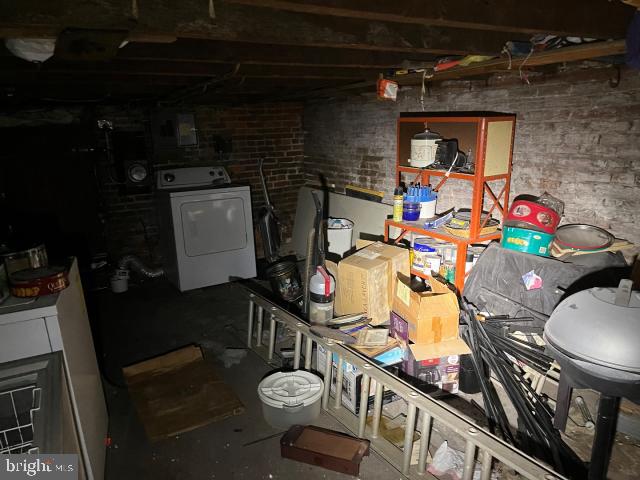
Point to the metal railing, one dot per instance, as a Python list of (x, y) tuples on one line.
[(479, 442)]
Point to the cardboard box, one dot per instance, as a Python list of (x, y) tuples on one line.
[(399, 329), (432, 316), (436, 363), (366, 280), (351, 382), (442, 372)]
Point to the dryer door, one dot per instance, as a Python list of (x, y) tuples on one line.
[(213, 225)]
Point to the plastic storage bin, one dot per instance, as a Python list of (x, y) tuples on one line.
[(290, 398)]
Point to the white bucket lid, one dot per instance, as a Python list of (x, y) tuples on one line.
[(288, 389), (339, 224)]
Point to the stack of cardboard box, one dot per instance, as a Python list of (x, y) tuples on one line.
[(426, 324), (365, 280), (376, 280), (365, 283)]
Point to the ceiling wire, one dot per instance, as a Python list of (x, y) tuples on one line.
[(423, 89), (203, 87), (523, 76)]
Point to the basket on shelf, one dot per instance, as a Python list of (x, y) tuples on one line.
[(464, 233)]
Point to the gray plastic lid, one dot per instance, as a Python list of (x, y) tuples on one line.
[(590, 326), (288, 389)]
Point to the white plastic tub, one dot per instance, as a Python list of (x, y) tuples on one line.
[(290, 398)]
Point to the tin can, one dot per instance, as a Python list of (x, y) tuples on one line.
[(34, 257), (421, 251), (448, 272), (37, 282)]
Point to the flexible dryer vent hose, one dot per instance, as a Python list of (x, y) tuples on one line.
[(131, 262)]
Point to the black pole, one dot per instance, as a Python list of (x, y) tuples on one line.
[(604, 437)]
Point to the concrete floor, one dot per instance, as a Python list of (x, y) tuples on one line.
[(155, 318)]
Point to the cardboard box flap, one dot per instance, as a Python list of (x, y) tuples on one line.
[(363, 243), (437, 287), (440, 349), (439, 293), (432, 316)]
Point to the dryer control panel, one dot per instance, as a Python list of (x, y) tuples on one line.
[(192, 177)]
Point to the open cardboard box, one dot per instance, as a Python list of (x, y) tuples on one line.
[(365, 280), (432, 317), (433, 363)]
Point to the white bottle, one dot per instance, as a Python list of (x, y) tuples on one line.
[(322, 287)]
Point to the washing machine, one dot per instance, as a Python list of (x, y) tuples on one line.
[(206, 227)]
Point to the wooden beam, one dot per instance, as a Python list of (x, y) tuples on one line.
[(72, 80), (209, 51), (183, 69), (484, 69), (586, 18), (559, 55), (238, 23)]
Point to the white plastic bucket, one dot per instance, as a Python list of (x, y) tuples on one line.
[(290, 398), (339, 234), (428, 209), (119, 284), (120, 280)]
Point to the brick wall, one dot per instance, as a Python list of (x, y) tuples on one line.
[(576, 137), (130, 222), (272, 131)]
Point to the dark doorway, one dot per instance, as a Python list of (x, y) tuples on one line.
[(49, 191)]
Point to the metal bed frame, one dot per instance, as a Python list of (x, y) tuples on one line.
[(479, 442)]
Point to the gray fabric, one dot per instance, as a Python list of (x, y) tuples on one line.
[(498, 274)]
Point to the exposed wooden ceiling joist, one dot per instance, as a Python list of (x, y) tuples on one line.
[(498, 65), (559, 55), (280, 47), (146, 82), (163, 68), (209, 51), (565, 17), (259, 26)]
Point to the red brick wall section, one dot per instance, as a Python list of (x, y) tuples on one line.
[(130, 221), (576, 137), (273, 131)]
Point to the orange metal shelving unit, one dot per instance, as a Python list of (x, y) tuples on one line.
[(489, 135)]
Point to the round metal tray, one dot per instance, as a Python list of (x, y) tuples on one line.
[(583, 237)]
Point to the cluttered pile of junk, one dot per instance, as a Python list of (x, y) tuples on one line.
[(460, 366)]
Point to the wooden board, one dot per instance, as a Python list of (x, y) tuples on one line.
[(498, 151), (179, 392)]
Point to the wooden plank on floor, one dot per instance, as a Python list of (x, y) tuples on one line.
[(179, 392)]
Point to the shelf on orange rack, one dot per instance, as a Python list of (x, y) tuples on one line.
[(440, 233), (436, 173)]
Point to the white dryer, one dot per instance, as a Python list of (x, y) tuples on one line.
[(206, 228)]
